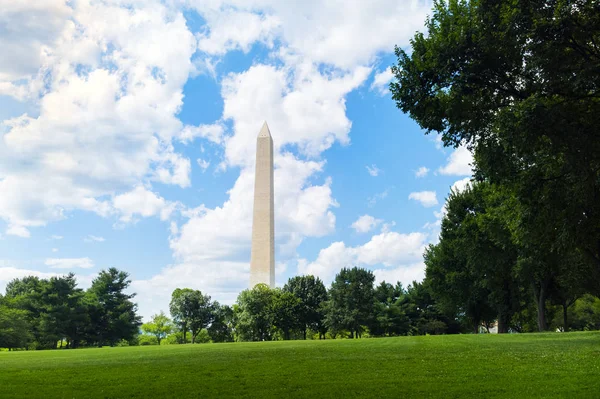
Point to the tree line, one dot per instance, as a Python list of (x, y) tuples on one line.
[(40, 313), (53, 313), (353, 307), (518, 84)]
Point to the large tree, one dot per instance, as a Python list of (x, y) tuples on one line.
[(113, 314), (221, 328), (159, 326), (424, 313), (192, 311), (312, 293), (352, 300), (253, 314), (517, 82), (390, 318), (471, 270), (14, 326), (285, 309), (24, 294), (180, 308)]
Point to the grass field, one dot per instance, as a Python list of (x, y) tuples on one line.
[(530, 366)]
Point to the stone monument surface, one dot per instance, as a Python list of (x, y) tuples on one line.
[(262, 262)]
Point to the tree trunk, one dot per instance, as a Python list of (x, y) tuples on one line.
[(352, 334), (565, 321), (541, 308), (304, 333), (184, 336), (502, 323)]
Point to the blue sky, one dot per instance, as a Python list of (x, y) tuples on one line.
[(128, 132)]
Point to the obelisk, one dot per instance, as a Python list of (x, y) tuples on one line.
[(262, 262)]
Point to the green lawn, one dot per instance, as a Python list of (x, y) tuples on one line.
[(530, 366)]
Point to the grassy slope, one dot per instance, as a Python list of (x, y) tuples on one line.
[(537, 365)]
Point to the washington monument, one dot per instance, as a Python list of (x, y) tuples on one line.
[(262, 261)]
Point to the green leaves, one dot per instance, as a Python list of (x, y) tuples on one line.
[(518, 81), (159, 326), (191, 310)]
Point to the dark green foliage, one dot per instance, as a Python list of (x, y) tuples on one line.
[(424, 313), (14, 327), (351, 301), (584, 315), (312, 293), (221, 328), (285, 309), (518, 83), (63, 311), (191, 311), (181, 309), (55, 310), (113, 316), (470, 269), (254, 317), (390, 318)]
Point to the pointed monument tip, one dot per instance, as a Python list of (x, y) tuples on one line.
[(264, 131)]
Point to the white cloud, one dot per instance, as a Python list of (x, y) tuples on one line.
[(365, 223), (426, 198), (25, 42), (371, 201), (421, 172), (69, 263), (460, 185), (388, 248), (232, 29), (340, 35), (381, 81), (222, 280), (459, 163), (92, 238), (204, 164), (213, 133), (56, 237), (9, 273), (387, 227), (434, 227), (108, 86), (18, 231), (140, 201), (373, 170), (406, 274), (302, 107), (54, 249)]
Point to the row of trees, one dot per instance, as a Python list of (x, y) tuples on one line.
[(303, 309), (39, 313), (481, 270), (518, 83), (43, 314), (352, 307)]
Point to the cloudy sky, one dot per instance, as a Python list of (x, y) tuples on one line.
[(128, 130)]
